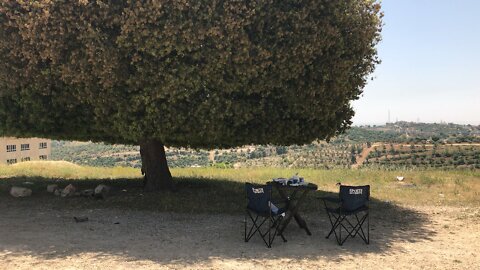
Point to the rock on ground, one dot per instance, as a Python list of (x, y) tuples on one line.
[(52, 188), (68, 191), (18, 192)]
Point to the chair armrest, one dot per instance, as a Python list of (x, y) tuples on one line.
[(331, 199)]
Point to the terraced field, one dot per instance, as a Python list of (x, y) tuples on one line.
[(445, 156)]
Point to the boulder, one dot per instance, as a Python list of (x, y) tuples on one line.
[(20, 192), (52, 188), (68, 191), (101, 191)]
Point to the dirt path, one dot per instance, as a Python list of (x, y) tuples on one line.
[(413, 238), (363, 155), (211, 155)]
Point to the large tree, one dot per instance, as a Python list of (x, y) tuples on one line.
[(190, 73)]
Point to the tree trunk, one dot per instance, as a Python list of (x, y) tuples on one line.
[(155, 166)]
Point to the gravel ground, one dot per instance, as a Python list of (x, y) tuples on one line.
[(401, 238)]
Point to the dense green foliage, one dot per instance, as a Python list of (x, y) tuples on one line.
[(196, 73)]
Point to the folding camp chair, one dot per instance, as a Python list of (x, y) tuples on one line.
[(263, 213), (350, 211)]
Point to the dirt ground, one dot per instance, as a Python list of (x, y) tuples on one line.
[(401, 238)]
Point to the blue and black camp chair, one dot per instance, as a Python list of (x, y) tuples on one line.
[(349, 211), (265, 216)]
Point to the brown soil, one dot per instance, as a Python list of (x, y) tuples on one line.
[(363, 155), (401, 238)]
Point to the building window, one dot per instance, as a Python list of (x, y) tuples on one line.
[(11, 148), (11, 161), (25, 147), (25, 159), (43, 145), (42, 157)]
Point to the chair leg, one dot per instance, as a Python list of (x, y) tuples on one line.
[(271, 222), (256, 227), (283, 238), (359, 229), (333, 224), (338, 225), (245, 223), (263, 235), (349, 231), (339, 240), (337, 222), (365, 236), (270, 240), (274, 224), (277, 224), (250, 233), (353, 230), (368, 227)]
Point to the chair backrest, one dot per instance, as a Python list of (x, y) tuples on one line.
[(258, 197), (354, 197)]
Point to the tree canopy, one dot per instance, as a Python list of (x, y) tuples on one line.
[(196, 73)]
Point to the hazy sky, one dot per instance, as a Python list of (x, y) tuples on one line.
[(430, 68)]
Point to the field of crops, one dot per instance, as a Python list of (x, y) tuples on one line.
[(443, 156), (393, 146)]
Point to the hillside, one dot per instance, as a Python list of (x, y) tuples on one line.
[(407, 132), (394, 145)]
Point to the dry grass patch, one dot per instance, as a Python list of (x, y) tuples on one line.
[(65, 170), (420, 187), (214, 190)]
